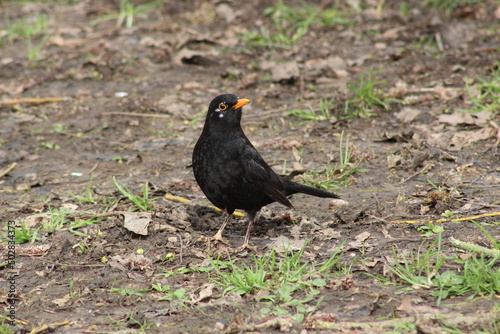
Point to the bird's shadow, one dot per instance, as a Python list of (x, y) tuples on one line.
[(207, 221)]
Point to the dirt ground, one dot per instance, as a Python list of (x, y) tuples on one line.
[(130, 102)]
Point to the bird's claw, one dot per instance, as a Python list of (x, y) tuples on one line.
[(218, 238), (247, 247), (214, 239)]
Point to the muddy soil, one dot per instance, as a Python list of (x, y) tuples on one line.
[(129, 103)]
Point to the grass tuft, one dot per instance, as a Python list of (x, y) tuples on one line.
[(128, 12), (368, 97), (142, 203), (339, 175), (279, 282)]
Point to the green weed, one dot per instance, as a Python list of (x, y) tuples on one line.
[(87, 196), (323, 113), (57, 219), (5, 329), (79, 223), (281, 278), (291, 23), (29, 30), (338, 176), (430, 230), (128, 12), (449, 5), (22, 234), (494, 242), (368, 97), (50, 146), (419, 269), (487, 93), (478, 276), (142, 203), (170, 295)]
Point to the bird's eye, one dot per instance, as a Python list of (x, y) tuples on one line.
[(222, 106)]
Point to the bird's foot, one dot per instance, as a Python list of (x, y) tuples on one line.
[(218, 238), (247, 247), (214, 239)]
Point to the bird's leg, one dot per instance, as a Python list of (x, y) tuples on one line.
[(218, 235), (251, 219)]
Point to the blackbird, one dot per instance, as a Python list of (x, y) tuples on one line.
[(230, 171)]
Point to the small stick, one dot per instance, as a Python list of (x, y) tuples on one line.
[(50, 327), (417, 173), (40, 100), (491, 214), (8, 170)]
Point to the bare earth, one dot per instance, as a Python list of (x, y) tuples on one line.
[(417, 159)]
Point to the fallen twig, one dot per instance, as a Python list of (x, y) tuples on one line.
[(8, 169), (445, 220), (417, 173), (49, 328), (40, 100)]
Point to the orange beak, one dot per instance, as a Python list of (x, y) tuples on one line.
[(240, 103)]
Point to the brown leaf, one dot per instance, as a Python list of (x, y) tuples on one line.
[(137, 222)]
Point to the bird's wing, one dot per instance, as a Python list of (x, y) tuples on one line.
[(262, 177)]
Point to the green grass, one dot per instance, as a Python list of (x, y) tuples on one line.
[(5, 329), (291, 23), (494, 242), (292, 286), (368, 96), (57, 219), (339, 175), (141, 203), (486, 96), (128, 12), (449, 5), (79, 223), (87, 195), (430, 230), (33, 31), (444, 276), (22, 234), (52, 221), (170, 295), (322, 113)]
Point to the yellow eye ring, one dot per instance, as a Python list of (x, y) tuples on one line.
[(222, 106)]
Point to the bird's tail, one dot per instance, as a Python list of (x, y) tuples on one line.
[(294, 187)]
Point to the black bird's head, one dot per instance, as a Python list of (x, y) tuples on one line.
[(225, 110)]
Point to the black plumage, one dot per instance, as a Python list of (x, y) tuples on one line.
[(230, 171)]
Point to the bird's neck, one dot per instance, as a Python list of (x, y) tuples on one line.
[(219, 130)]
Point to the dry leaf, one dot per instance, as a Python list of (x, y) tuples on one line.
[(286, 72), (362, 236), (406, 305), (61, 302), (284, 244), (205, 293), (137, 222), (131, 262), (407, 115)]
